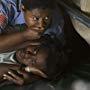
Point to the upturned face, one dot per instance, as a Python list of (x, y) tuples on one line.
[(33, 56), (38, 19)]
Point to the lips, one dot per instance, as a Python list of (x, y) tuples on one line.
[(38, 29)]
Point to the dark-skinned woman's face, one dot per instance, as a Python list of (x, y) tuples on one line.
[(38, 19), (33, 56)]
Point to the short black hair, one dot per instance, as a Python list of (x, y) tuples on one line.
[(32, 4)]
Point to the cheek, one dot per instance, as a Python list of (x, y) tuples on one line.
[(30, 22), (21, 58), (26, 62), (41, 61)]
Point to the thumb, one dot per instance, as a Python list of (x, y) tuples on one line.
[(35, 71)]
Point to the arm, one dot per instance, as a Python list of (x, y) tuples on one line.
[(4, 68), (11, 41), (14, 40), (16, 75)]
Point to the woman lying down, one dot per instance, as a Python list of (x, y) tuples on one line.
[(32, 63)]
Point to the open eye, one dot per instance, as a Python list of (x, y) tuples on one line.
[(35, 18), (46, 18)]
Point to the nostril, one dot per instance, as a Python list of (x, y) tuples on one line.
[(40, 27)]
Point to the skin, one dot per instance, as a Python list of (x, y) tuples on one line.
[(17, 40), (40, 62), (4, 70), (35, 61), (33, 56), (21, 77), (37, 21)]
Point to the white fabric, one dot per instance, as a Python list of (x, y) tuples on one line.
[(7, 58)]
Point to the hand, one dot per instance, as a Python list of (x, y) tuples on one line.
[(16, 77), (20, 77), (4, 68), (35, 71), (31, 34)]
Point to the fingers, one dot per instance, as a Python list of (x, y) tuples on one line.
[(14, 75), (33, 34), (24, 74), (35, 71), (14, 78), (35, 43), (5, 76)]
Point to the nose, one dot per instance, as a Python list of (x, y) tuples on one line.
[(28, 50), (41, 25)]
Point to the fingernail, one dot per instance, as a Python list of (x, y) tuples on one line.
[(4, 75), (9, 72), (27, 69)]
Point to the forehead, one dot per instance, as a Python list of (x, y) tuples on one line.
[(42, 50), (39, 12)]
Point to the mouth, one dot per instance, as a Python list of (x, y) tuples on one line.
[(40, 30)]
